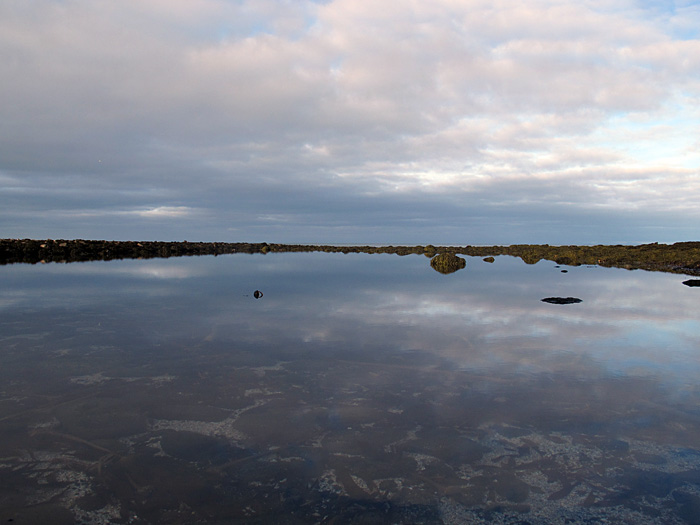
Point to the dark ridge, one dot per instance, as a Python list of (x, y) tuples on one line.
[(682, 257)]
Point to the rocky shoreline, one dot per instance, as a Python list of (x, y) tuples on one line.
[(681, 257)]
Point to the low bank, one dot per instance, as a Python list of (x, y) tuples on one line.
[(681, 257)]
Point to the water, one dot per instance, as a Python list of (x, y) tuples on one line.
[(359, 388)]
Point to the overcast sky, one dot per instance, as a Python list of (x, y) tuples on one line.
[(351, 121)]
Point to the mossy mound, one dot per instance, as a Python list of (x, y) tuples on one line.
[(447, 263)]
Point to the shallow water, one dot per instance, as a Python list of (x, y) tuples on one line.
[(359, 388)]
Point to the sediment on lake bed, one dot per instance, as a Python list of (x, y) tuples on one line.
[(681, 257)]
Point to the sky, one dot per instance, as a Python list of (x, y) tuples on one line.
[(351, 121)]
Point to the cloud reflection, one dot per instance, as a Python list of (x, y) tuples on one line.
[(485, 316)]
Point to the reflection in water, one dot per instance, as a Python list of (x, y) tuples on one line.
[(364, 389), (561, 300), (447, 263)]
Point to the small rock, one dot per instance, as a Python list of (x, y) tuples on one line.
[(257, 294), (561, 300)]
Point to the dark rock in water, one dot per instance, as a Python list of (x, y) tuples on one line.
[(447, 263), (565, 271), (257, 294), (489, 259), (562, 300), (692, 282)]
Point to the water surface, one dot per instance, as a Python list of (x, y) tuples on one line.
[(359, 388)]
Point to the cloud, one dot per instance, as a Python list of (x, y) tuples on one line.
[(208, 104), (163, 211)]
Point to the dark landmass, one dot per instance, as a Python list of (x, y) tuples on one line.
[(681, 257)]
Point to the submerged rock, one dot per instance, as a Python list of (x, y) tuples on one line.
[(447, 263), (561, 300)]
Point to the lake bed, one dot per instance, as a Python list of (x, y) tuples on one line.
[(358, 388)]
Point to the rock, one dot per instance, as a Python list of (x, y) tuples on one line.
[(257, 294), (429, 250), (562, 300), (692, 282), (447, 263), (489, 259)]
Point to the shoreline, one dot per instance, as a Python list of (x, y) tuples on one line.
[(681, 257)]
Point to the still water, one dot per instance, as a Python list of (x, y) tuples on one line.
[(357, 389)]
